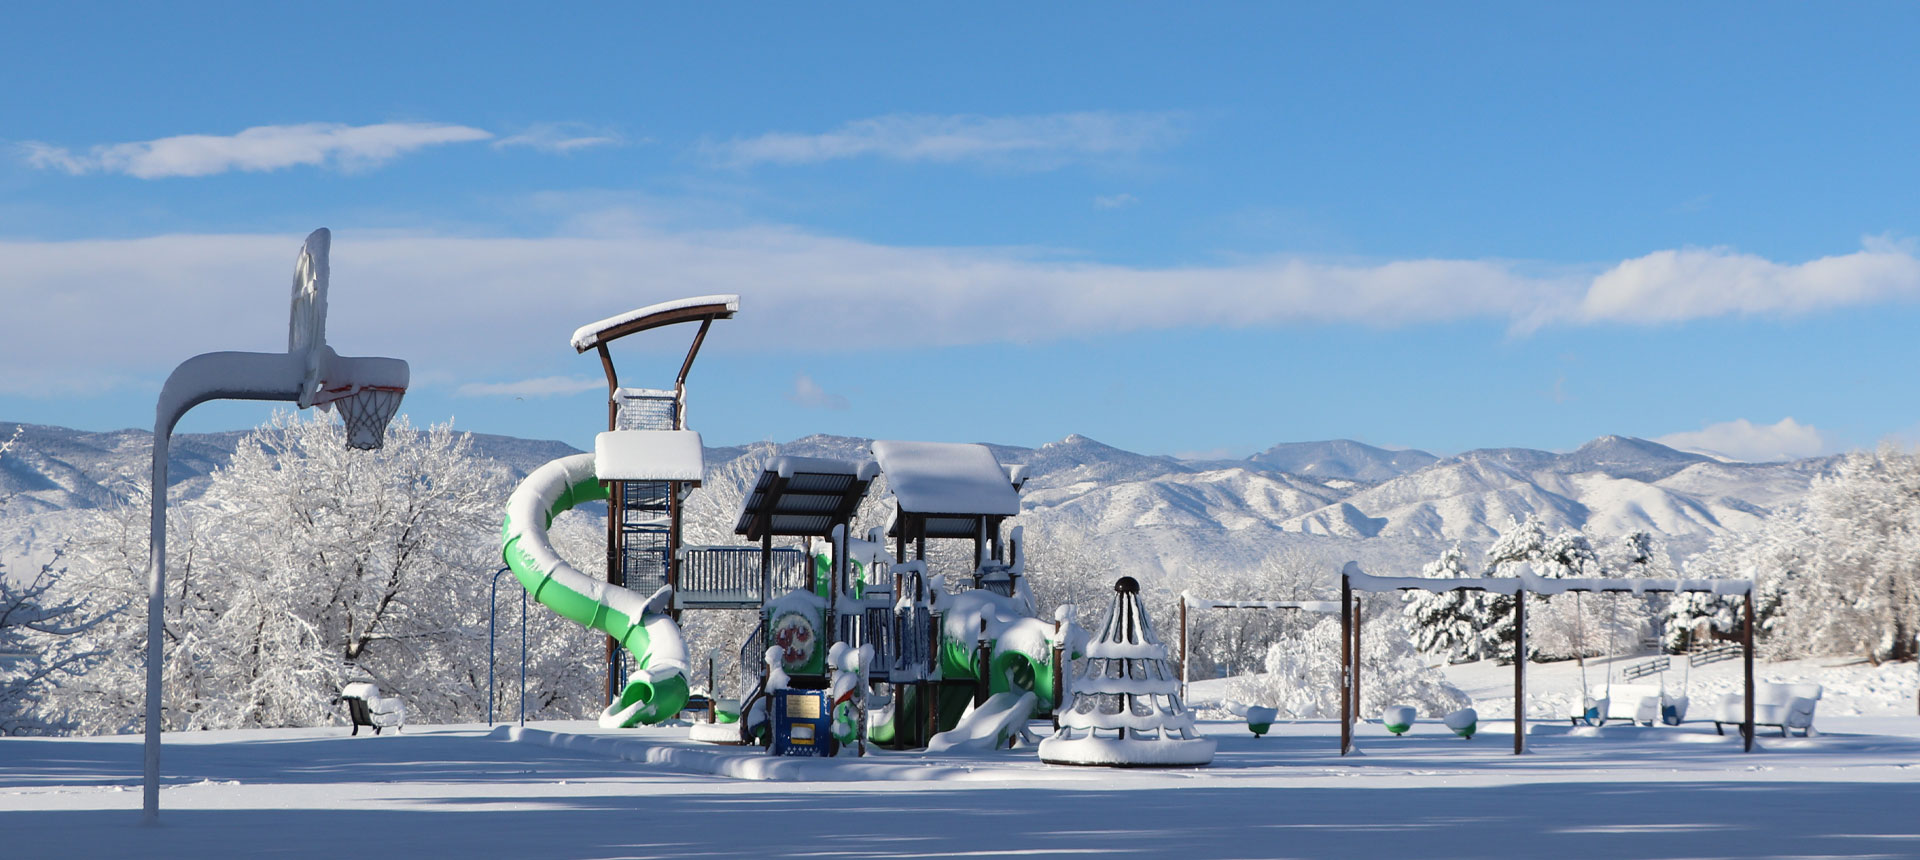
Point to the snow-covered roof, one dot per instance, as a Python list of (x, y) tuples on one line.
[(649, 455), (946, 478), (787, 466), (1533, 583), (588, 336), (804, 496)]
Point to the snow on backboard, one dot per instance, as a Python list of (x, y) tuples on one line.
[(946, 478), (307, 324)]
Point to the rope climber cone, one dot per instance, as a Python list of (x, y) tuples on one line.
[(1126, 709)]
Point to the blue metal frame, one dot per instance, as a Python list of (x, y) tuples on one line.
[(493, 601)]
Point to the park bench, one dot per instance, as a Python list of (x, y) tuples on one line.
[(366, 707), (1638, 703), (1784, 706)]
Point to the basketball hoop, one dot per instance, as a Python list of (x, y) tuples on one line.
[(366, 410), (368, 390), (309, 373)]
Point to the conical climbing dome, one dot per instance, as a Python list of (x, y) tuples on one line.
[(1126, 708)]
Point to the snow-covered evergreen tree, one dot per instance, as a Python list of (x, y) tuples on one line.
[(1447, 623), (1566, 626)]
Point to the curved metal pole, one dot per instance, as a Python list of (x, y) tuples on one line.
[(212, 376)]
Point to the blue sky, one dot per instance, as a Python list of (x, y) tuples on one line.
[(1175, 230)]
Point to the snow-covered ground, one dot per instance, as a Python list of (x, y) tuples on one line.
[(575, 790)]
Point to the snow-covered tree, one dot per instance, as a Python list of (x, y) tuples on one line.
[(1447, 623), (304, 566), (38, 647), (1841, 573), (1235, 641), (1566, 626), (1302, 675)]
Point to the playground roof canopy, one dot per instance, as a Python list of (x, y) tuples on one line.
[(959, 479), (618, 326), (804, 496)]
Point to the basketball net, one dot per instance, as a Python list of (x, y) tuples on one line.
[(366, 410)]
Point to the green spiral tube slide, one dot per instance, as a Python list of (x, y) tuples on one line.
[(640, 624)]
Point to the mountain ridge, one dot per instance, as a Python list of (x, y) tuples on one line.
[(1151, 511)]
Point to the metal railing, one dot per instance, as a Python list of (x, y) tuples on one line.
[(730, 577), (647, 409), (753, 662)]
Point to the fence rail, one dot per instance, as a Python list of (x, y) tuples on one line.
[(1715, 654), (1641, 670)]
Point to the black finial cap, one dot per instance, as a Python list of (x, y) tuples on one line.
[(1127, 585)]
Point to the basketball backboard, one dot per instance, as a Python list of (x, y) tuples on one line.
[(307, 324)]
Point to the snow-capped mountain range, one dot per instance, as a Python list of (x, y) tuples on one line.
[(1152, 513)]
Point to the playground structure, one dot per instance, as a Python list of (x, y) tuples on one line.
[(1355, 583), (860, 641), (854, 643)]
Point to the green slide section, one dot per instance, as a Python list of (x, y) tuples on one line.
[(1008, 670), (640, 624)]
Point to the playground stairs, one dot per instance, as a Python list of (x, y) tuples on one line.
[(645, 507)]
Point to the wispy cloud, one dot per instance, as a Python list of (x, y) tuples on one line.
[(1691, 283), (545, 386), (261, 148), (1033, 142), (1744, 440), (459, 305), (809, 394), (1114, 201), (560, 138)]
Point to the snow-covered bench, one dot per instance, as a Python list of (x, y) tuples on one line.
[(1639, 703), (366, 707), (1787, 706)]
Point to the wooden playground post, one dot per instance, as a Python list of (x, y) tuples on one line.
[(1346, 664), (1519, 671), (1359, 618), (1746, 637), (1059, 669), (1183, 648), (983, 655)]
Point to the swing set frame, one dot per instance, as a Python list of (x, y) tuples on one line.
[(1355, 583)]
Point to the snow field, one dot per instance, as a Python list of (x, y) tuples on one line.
[(574, 790)]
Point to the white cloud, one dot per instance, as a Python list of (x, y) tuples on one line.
[(809, 394), (1691, 283), (545, 386), (1754, 443), (1035, 142), (1114, 201), (474, 308), (261, 148), (560, 138)]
